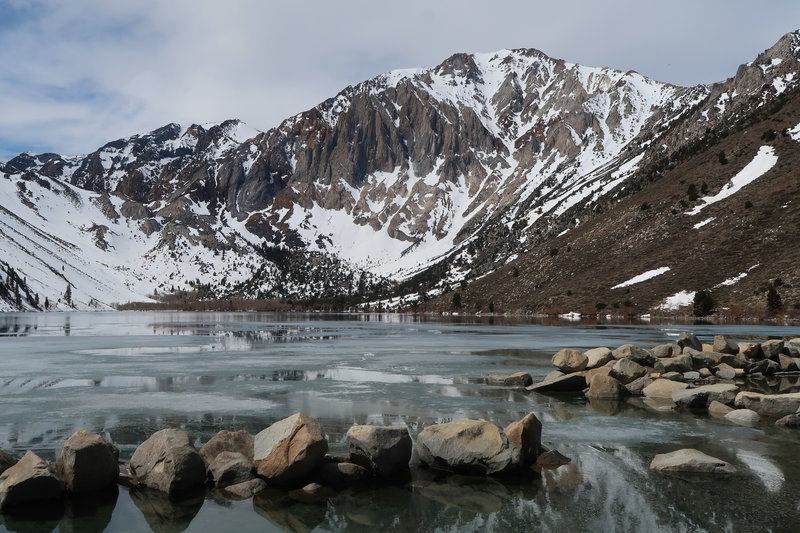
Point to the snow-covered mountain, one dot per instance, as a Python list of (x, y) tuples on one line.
[(444, 174)]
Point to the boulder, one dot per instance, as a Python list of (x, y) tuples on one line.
[(689, 340), (517, 379), (603, 370), (764, 366), (691, 376), (789, 421), (245, 490), (751, 350), (723, 371), (637, 386), (736, 361), (724, 345), (716, 408), (88, 462), (663, 388), (30, 480), (701, 397), (6, 461), (705, 373), (228, 441), (597, 357), (704, 359), (342, 475), (680, 363), (637, 354), (690, 461), (772, 348), (675, 376), (769, 405), (552, 459), (383, 450), (787, 363), (473, 447), (627, 370), (568, 361), (526, 434), (605, 387), (289, 450), (743, 417), (564, 383), (168, 462), (230, 468), (666, 350), (792, 347)]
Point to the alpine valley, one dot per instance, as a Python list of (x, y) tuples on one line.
[(507, 182)]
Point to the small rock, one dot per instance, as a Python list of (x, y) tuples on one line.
[(517, 379), (666, 350), (789, 421), (723, 371), (568, 361), (769, 405), (246, 489), (691, 376), (606, 388), (565, 383), (689, 460), (526, 434), (603, 370), (704, 359), (786, 363), (382, 449), (474, 447), (288, 451), (689, 340), (637, 354), (706, 373), (716, 408), (663, 388), (168, 462), (554, 375), (597, 357), (680, 363), (627, 370), (766, 367), (743, 417), (675, 376), (723, 345), (772, 348), (30, 480), (637, 386), (552, 459), (228, 441), (751, 350), (6, 461), (342, 475), (701, 397), (230, 468)]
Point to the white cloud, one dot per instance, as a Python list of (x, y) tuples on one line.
[(78, 73)]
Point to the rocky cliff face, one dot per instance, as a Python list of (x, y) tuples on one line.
[(436, 175)]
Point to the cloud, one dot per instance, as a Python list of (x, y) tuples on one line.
[(78, 73)]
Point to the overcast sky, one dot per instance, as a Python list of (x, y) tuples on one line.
[(75, 74)]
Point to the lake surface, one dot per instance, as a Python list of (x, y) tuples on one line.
[(127, 375)]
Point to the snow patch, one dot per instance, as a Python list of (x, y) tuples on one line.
[(764, 160), (642, 277), (677, 300), (703, 223)]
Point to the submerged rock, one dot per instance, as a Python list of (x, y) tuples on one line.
[(663, 389), (517, 379), (689, 460), (743, 417), (474, 447)]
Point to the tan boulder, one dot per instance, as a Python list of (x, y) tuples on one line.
[(604, 387), (602, 370), (569, 360), (288, 451), (228, 441), (716, 408), (473, 447), (30, 480), (724, 345), (626, 370), (751, 350), (168, 462), (526, 434), (597, 357), (663, 388), (689, 460)]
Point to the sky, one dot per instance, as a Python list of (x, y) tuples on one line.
[(75, 74)]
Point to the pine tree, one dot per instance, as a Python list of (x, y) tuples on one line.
[(68, 295), (773, 299), (703, 304)]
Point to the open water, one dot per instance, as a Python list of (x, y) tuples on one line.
[(127, 375)]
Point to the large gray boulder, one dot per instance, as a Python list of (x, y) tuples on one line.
[(627, 370), (228, 441), (690, 461), (526, 434), (689, 340), (383, 450), (564, 383), (517, 379), (230, 468), (6, 461), (681, 363), (597, 357), (168, 462), (88, 462), (289, 450), (569, 360), (724, 345), (474, 447), (703, 359), (30, 480), (769, 405), (636, 354), (637, 386), (701, 397), (772, 348)]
